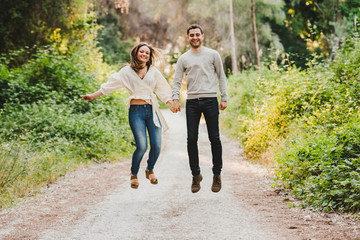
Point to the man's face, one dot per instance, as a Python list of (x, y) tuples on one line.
[(195, 37)]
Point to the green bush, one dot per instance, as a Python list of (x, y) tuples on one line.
[(54, 139), (308, 122), (44, 76), (324, 169), (42, 113), (40, 122)]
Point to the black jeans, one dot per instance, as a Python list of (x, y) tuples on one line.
[(210, 108)]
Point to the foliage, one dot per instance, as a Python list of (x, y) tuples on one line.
[(11, 162), (243, 98), (215, 20), (321, 25), (323, 169), (36, 23), (308, 121), (42, 114), (43, 77), (115, 51), (158, 25)]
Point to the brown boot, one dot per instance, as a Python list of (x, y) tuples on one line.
[(195, 186), (216, 186)]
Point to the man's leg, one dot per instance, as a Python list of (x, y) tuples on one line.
[(211, 113), (193, 115), (210, 109)]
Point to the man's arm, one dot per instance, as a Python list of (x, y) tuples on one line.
[(222, 81), (222, 78), (178, 77)]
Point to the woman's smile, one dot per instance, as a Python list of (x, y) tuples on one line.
[(143, 54)]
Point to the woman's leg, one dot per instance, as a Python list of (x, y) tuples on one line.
[(138, 128), (155, 143)]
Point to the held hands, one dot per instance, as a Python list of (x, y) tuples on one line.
[(175, 106)]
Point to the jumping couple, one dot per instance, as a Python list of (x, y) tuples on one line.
[(203, 72)]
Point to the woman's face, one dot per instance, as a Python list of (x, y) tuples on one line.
[(143, 54)]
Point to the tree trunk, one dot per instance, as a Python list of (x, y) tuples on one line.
[(232, 36), (355, 22), (256, 45)]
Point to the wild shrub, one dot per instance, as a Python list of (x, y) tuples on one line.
[(321, 164), (308, 122), (41, 112), (243, 96), (47, 74), (324, 168)]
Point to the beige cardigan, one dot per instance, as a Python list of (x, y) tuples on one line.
[(143, 89)]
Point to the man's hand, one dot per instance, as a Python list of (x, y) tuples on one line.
[(175, 107), (223, 105)]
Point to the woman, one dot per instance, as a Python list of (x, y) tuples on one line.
[(142, 80)]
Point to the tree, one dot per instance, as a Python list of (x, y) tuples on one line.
[(232, 36), (254, 33), (269, 44), (321, 24), (115, 49), (34, 22), (164, 26)]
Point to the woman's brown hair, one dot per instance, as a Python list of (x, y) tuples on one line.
[(136, 64)]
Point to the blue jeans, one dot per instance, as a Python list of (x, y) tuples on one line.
[(140, 119), (210, 108)]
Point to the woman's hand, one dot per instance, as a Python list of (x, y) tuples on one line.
[(88, 97)]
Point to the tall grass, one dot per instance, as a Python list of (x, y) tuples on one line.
[(13, 163)]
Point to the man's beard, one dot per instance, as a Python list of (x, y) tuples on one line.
[(197, 44)]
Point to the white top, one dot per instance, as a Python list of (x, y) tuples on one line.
[(143, 89)]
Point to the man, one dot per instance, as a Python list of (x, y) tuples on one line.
[(203, 71)]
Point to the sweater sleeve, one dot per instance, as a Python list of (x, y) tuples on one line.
[(179, 73), (114, 82), (222, 78), (162, 87)]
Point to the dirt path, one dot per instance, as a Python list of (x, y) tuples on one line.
[(97, 203)]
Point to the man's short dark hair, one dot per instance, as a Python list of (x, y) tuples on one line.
[(194, 26)]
